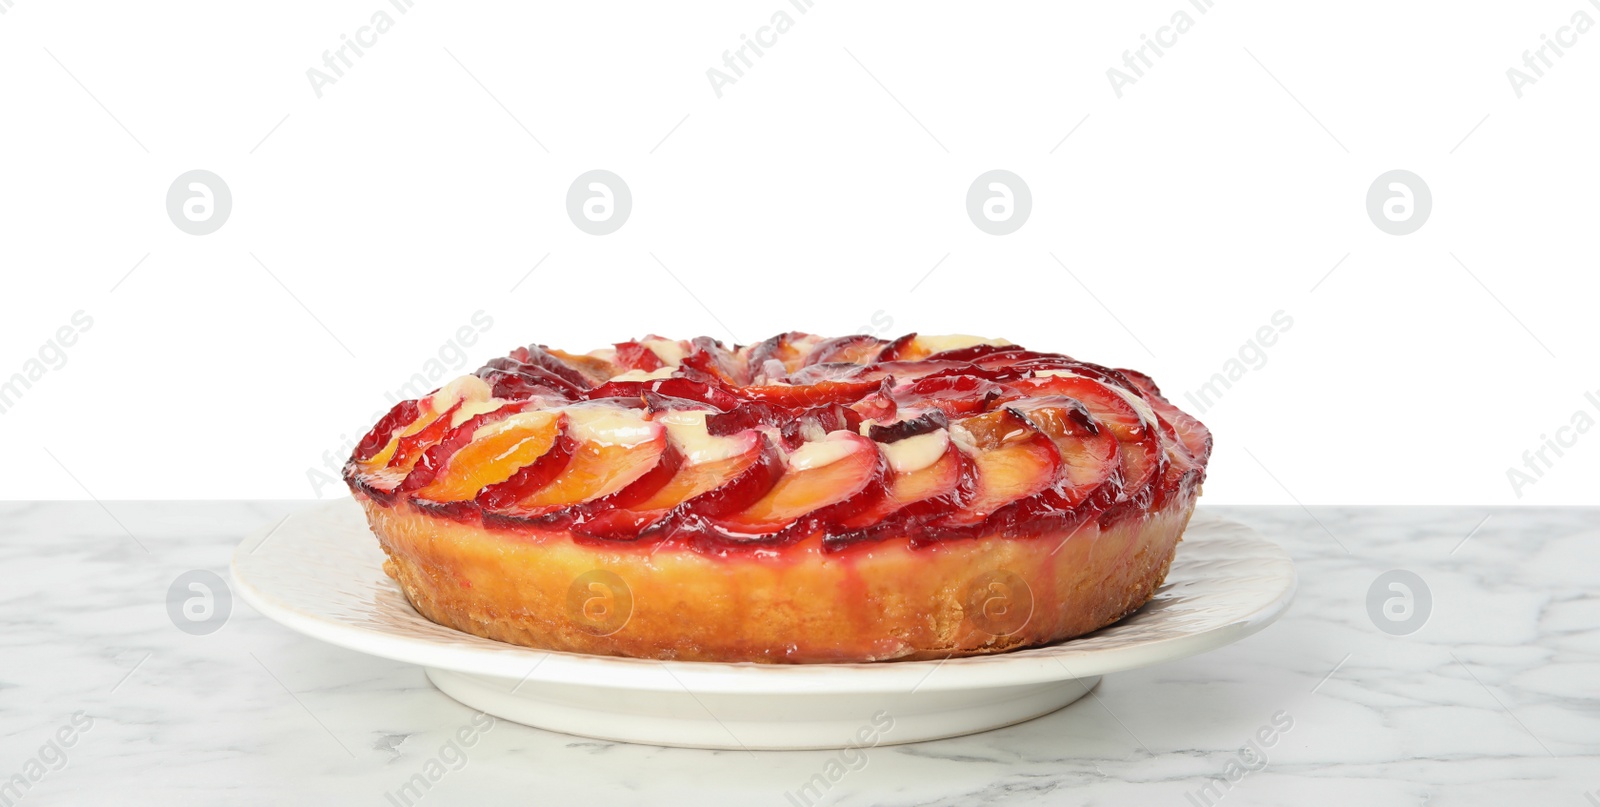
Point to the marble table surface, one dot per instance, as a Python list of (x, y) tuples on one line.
[(1482, 688)]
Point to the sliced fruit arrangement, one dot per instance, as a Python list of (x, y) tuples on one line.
[(837, 475), (852, 439)]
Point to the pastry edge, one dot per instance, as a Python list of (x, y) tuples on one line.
[(795, 604)]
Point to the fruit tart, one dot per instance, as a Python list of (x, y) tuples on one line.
[(801, 500)]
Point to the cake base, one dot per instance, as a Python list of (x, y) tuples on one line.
[(881, 601)]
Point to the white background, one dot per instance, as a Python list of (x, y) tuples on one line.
[(816, 194)]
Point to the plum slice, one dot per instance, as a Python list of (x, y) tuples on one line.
[(635, 356), (818, 394), (819, 475), (854, 349), (503, 496), (614, 449), (915, 492), (495, 449), (930, 421), (1013, 463), (1144, 459), (718, 490), (1091, 456), (379, 473)]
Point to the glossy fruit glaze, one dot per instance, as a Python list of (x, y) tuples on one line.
[(852, 438)]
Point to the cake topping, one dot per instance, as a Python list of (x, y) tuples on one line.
[(849, 438), (915, 453)]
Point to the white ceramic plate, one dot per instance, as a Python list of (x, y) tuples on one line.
[(320, 573)]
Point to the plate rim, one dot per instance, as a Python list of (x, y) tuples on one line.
[(1033, 666)]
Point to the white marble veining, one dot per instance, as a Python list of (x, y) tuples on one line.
[(1492, 701)]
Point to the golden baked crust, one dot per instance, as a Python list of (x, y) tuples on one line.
[(885, 602), (927, 504)]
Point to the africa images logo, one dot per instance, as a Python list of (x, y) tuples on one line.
[(1250, 758), (1536, 462), (1537, 60)]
